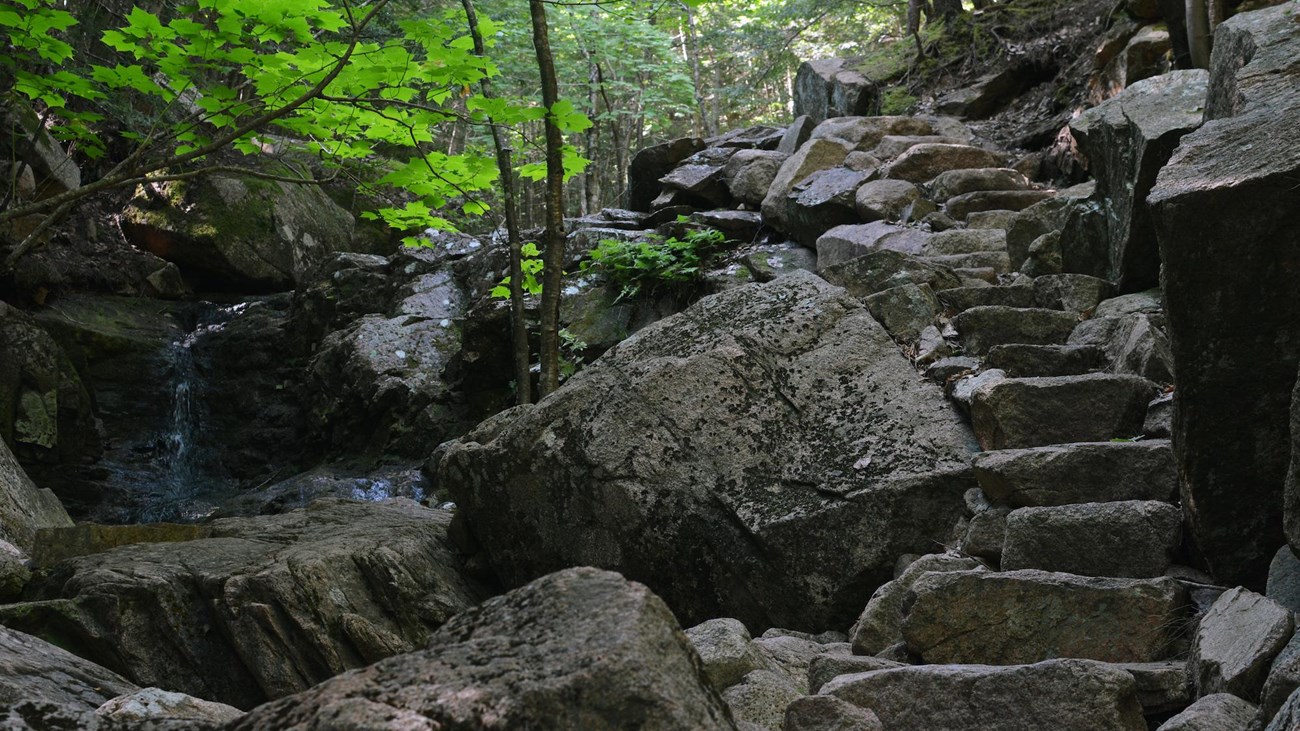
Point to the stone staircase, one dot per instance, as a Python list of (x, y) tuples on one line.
[(1061, 602)]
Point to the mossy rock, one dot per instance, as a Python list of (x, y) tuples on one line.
[(239, 233)]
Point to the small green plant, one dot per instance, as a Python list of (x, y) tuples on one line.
[(571, 350), (531, 265), (635, 265)]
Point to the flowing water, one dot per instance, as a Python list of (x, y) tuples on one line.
[(187, 471)]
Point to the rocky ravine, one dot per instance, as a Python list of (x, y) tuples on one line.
[(955, 479)]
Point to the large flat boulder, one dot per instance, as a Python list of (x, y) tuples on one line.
[(1014, 617), (712, 457), (1064, 695), (266, 607), (1127, 139), (1227, 216), (578, 649)]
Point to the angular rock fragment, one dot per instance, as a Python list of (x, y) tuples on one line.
[(727, 651), (905, 310), (760, 699), (885, 200), (1235, 330), (959, 182), (966, 241), (964, 298), (1076, 293), (821, 202), (853, 240), (1127, 139), (880, 624), (1218, 712), (1235, 642), (749, 174), (828, 713), (962, 206), (816, 154), (926, 161)]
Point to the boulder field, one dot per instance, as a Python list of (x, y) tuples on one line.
[(934, 445)]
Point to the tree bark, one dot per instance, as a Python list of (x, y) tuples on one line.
[(553, 254), (1198, 32), (518, 321), (690, 43)]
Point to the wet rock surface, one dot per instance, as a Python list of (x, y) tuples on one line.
[(263, 607)]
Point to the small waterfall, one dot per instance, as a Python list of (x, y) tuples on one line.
[(184, 478), (177, 457)]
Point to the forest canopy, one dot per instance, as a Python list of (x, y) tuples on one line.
[(180, 75)]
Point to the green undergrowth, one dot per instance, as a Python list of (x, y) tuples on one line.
[(645, 264)]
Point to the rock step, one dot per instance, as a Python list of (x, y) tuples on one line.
[(1026, 616), (965, 298), (995, 260), (1088, 472), (876, 271), (1063, 695), (1035, 412), (1021, 360), (1130, 539), (982, 328)]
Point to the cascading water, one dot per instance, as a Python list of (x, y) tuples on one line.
[(184, 480)]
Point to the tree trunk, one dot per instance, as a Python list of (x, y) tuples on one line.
[(591, 187), (689, 43), (1198, 32), (945, 9), (518, 323), (553, 254)]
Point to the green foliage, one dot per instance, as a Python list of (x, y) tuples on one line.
[(571, 353), (896, 100), (314, 76), (532, 266), (636, 265)]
